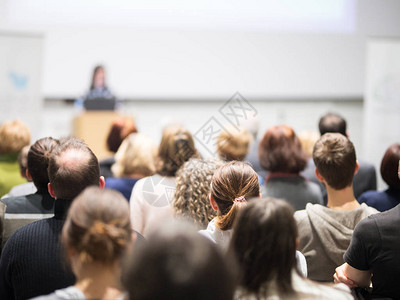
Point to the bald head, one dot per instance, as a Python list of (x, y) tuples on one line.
[(72, 168)]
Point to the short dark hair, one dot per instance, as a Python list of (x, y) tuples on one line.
[(38, 161), (389, 166), (280, 150), (335, 158), (332, 122), (72, 168), (178, 263), (264, 245)]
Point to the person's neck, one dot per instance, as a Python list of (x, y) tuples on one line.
[(97, 281), (136, 175), (341, 199)]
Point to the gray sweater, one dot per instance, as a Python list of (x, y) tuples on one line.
[(325, 234)]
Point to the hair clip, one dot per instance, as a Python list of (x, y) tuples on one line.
[(240, 199)]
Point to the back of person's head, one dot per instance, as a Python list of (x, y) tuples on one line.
[(193, 181), (72, 168), (332, 122), (232, 184), (23, 161), (120, 129), (233, 143), (335, 159), (98, 226), (308, 140), (38, 161), (280, 150), (136, 155), (14, 135), (176, 147), (264, 245), (178, 263), (390, 165)]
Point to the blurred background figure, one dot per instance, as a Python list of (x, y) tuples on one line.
[(14, 136), (193, 183), (233, 143), (282, 155), (23, 188), (389, 198), (270, 239), (119, 130), (308, 139), (134, 160), (177, 263), (95, 236), (152, 197)]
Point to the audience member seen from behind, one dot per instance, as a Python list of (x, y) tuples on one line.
[(231, 186), (233, 143), (120, 129), (95, 235), (281, 154), (27, 187), (374, 255), (364, 180), (134, 160), (152, 197), (389, 198), (40, 202), (31, 263), (14, 136), (265, 250), (193, 181), (325, 232), (177, 263)]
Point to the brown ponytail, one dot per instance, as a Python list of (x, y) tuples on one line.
[(232, 185)]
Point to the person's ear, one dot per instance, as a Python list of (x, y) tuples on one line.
[(319, 176), (102, 182), (357, 167), (28, 175), (213, 203), (51, 191), (259, 195)]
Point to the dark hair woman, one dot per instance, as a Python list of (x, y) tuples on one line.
[(389, 198), (264, 246)]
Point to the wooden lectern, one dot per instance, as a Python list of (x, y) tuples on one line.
[(93, 127)]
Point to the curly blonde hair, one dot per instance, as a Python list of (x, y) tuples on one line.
[(192, 190)]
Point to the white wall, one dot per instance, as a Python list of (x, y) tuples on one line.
[(177, 62)]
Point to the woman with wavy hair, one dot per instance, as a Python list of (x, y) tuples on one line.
[(264, 246), (152, 196), (96, 234), (281, 154), (193, 181)]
